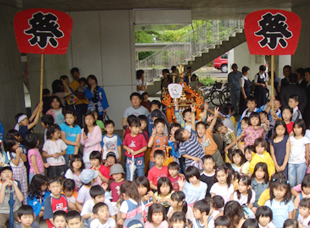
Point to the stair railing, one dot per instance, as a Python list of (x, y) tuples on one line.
[(193, 44)]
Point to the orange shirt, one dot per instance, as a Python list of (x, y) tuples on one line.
[(210, 145), (160, 143)]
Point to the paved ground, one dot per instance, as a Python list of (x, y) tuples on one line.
[(210, 71)]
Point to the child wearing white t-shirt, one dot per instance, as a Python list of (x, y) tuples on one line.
[(245, 196), (223, 186), (54, 150), (299, 154), (304, 213)]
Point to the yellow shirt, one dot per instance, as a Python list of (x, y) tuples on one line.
[(233, 120), (266, 159), (74, 84), (264, 197)]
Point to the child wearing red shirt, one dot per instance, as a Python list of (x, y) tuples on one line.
[(158, 170), (55, 201), (103, 174), (117, 173), (135, 146)]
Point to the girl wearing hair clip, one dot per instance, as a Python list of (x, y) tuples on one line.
[(178, 204), (223, 186), (23, 125), (280, 201)]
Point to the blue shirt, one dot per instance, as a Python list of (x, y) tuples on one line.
[(280, 211), (193, 194), (192, 148), (71, 134)]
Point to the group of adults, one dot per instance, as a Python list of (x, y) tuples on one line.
[(81, 93), (292, 84)]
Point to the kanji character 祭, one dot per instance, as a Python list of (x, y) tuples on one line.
[(273, 30), (44, 30)]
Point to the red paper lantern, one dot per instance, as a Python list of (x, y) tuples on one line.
[(42, 31), (272, 32)]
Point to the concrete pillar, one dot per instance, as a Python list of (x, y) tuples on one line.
[(11, 75), (243, 58), (102, 44), (302, 55)]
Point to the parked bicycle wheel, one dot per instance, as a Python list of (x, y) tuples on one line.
[(215, 98), (225, 97)]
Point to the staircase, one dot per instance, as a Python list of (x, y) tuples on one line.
[(200, 47)]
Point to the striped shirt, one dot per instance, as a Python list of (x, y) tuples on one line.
[(191, 148)]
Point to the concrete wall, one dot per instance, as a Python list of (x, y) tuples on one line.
[(302, 55), (243, 58), (102, 44), (11, 78)]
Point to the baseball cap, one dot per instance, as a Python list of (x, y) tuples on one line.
[(135, 224), (156, 113), (111, 154), (117, 168), (6, 167), (87, 175)]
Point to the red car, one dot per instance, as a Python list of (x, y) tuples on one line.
[(221, 63)]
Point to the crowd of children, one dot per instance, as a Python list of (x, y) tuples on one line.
[(174, 176)]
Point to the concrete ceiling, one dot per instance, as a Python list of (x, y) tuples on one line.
[(201, 9)]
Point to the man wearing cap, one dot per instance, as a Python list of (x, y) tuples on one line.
[(234, 86), (136, 109)]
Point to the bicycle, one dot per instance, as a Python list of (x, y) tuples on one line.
[(225, 95), (212, 94)]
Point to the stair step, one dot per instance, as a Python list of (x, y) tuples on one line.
[(239, 31)]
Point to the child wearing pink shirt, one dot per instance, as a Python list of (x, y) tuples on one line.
[(254, 131), (34, 157), (91, 137)]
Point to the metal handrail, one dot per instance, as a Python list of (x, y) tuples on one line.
[(196, 42)]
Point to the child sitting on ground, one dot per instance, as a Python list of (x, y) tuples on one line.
[(59, 218), (25, 216), (202, 213), (174, 175), (54, 202), (73, 219), (97, 195), (95, 159), (102, 216), (88, 178), (71, 194), (158, 170), (8, 188)]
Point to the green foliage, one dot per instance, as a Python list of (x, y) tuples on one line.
[(206, 81), (209, 34), (143, 55)]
